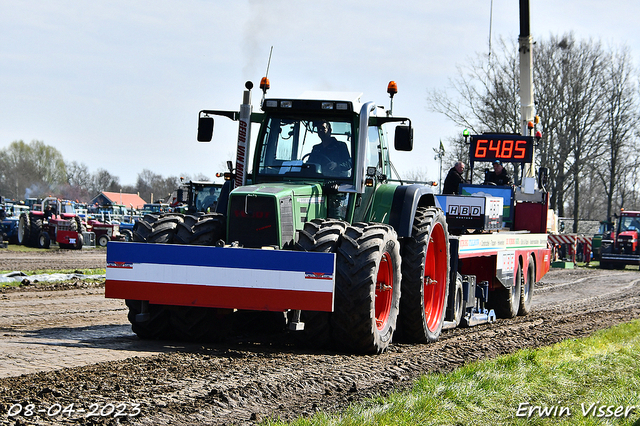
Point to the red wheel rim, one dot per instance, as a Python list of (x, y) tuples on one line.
[(435, 277), (384, 290)]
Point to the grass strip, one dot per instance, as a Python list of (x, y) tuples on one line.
[(96, 271), (589, 381)]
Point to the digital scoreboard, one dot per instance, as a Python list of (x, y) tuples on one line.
[(508, 148)]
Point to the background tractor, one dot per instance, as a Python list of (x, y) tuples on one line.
[(624, 248), (38, 228)]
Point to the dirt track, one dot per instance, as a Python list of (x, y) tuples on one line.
[(75, 347)]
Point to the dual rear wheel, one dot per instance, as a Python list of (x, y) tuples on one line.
[(510, 302), (377, 288)]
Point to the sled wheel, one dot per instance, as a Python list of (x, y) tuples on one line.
[(506, 301), (425, 278), (367, 291), (459, 304), (197, 324), (528, 285)]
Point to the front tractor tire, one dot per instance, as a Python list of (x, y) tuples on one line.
[(103, 240), (320, 236), (156, 327), (425, 278), (196, 324), (44, 241), (367, 294)]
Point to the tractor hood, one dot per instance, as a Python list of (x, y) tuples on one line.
[(270, 214), (628, 235)]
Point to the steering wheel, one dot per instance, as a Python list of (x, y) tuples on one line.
[(321, 156)]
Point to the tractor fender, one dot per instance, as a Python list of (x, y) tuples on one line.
[(406, 199)]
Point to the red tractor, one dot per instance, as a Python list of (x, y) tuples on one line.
[(37, 228), (105, 232), (624, 249)]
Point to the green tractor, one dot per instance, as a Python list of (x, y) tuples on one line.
[(385, 235)]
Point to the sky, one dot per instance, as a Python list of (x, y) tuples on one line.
[(118, 85)]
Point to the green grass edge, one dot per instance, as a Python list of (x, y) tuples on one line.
[(588, 381)]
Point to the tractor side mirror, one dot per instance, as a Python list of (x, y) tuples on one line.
[(403, 140), (205, 129)]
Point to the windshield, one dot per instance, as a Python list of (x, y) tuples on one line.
[(207, 198), (629, 223), (306, 148)]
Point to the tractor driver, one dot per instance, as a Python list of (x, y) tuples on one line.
[(332, 154), (48, 211), (498, 176)]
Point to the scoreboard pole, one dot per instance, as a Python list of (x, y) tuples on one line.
[(526, 76)]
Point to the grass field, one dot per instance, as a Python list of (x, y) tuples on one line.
[(590, 381)]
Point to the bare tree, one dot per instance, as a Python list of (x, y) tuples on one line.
[(78, 174), (585, 94), (153, 186), (104, 181), (574, 89), (621, 104), (487, 94), (486, 99)]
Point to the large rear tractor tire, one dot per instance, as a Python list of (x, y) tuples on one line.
[(24, 229), (506, 301), (425, 278), (163, 230), (35, 231), (318, 235), (526, 294), (367, 294), (208, 230)]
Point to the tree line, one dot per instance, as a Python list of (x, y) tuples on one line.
[(587, 96), (36, 170)]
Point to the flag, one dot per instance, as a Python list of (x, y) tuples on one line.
[(441, 146)]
